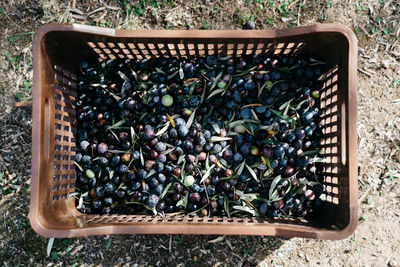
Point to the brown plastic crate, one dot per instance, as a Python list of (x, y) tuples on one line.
[(57, 51)]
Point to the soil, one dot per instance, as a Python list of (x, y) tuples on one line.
[(376, 242)]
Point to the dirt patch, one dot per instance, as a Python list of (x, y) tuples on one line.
[(376, 240)]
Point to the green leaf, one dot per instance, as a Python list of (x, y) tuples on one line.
[(240, 122), (181, 73), (180, 159), (183, 201), (276, 180), (203, 94), (79, 166), (108, 243), (141, 156), (207, 174), (163, 130), (151, 172), (165, 191), (192, 86), (216, 81), (117, 125), (284, 117), (317, 159), (226, 206), (219, 139), (169, 77), (313, 152), (246, 209), (244, 72), (50, 246), (216, 127), (284, 105), (123, 76), (160, 71), (215, 92), (251, 171), (207, 165), (191, 118), (239, 169)]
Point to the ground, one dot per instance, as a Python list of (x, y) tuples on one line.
[(376, 242)]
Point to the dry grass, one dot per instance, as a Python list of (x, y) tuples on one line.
[(375, 241)]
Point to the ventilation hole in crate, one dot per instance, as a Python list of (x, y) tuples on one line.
[(200, 219), (240, 220), (190, 219), (57, 167), (65, 148), (56, 187), (220, 220), (65, 157), (230, 220), (56, 197), (56, 177), (101, 44), (72, 176)]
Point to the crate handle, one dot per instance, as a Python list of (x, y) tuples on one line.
[(46, 128), (343, 135)]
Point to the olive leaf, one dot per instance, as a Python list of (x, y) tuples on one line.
[(181, 73), (141, 156), (72, 194), (118, 151), (207, 174), (203, 94), (79, 166), (117, 124), (251, 171), (191, 118), (239, 168), (216, 127), (183, 201), (247, 209), (50, 246), (151, 173), (314, 61), (248, 196), (219, 139), (284, 69), (215, 92), (317, 159), (240, 122), (284, 117), (134, 74), (276, 180), (226, 205), (207, 164), (244, 72), (123, 76), (216, 81), (163, 130), (160, 71), (169, 77), (165, 191), (313, 152), (192, 86), (284, 105)]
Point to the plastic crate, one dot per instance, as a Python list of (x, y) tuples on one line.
[(57, 51)]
